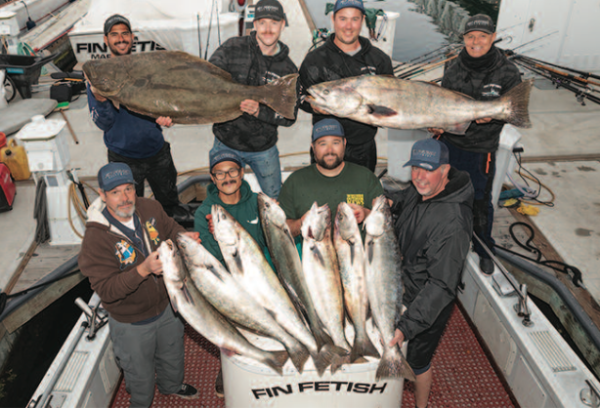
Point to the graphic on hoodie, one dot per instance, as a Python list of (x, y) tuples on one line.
[(152, 232), (125, 253)]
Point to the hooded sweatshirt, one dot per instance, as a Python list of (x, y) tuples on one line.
[(329, 63), (434, 237), (243, 59), (110, 261), (245, 212)]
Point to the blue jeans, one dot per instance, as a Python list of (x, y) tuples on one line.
[(265, 166)]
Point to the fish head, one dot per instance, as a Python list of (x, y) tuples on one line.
[(336, 97), (345, 221), (171, 263), (191, 250), (316, 223), (270, 211), (375, 223), (226, 227), (108, 76)]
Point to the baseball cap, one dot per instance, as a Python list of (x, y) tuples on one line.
[(480, 22), (113, 175), (115, 19), (340, 4), (428, 154), (218, 157), (327, 127), (269, 9)]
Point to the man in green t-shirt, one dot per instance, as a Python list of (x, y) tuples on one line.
[(330, 180)]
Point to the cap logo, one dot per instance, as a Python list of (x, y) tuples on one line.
[(268, 8), (116, 173), (425, 153), (326, 128)]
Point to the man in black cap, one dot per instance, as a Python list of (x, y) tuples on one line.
[(434, 224), (133, 138), (119, 256), (345, 54), (255, 60), (483, 72)]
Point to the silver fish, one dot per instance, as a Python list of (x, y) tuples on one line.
[(384, 286), (217, 285), (191, 305), (384, 100), (247, 264), (351, 257)]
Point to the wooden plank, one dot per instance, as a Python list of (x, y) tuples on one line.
[(15, 278), (307, 16)]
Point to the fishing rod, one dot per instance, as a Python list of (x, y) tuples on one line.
[(532, 41), (430, 68), (419, 68), (582, 74), (563, 83), (402, 68), (566, 75)]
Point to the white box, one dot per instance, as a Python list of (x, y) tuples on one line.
[(46, 147)]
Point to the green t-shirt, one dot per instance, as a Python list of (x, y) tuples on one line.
[(354, 185)]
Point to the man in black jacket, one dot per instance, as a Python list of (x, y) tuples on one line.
[(434, 226), (345, 54), (256, 60), (483, 72)]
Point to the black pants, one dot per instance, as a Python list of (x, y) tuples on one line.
[(160, 172), (364, 154)]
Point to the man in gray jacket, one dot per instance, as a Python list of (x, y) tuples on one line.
[(434, 226)]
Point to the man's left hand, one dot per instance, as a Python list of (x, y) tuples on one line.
[(483, 121), (164, 121), (398, 339), (250, 107), (195, 235), (360, 212)]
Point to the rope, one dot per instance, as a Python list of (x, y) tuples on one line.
[(40, 213)]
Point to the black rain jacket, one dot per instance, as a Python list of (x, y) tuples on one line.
[(329, 63), (434, 237), (482, 86), (243, 59)]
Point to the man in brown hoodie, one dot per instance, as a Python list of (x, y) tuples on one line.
[(119, 256)]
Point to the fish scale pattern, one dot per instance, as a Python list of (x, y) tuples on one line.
[(462, 377)]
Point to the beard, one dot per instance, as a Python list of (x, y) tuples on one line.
[(126, 214), (116, 51), (335, 164)]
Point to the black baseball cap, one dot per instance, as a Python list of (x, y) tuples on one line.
[(480, 22), (115, 19), (269, 9)]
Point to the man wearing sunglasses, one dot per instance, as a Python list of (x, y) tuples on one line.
[(232, 192)]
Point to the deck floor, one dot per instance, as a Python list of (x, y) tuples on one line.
[(462, 376)]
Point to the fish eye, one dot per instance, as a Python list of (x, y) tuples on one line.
[(326, 92)]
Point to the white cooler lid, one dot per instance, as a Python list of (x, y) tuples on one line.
[(40, 128)]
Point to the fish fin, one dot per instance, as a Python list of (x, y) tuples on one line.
[(186, 294), (297, 353), (321, 337), (363, 346), (458, 128), (370, 251), (381, 111), (238, 261), (328, 353), (116, 104), (338, 361), (280, 95), (276, 360), (394, 365), (518, 100)]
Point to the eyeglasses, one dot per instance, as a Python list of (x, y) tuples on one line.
[(233, 173)]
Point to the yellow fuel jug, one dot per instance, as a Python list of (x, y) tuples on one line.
[(16, 159)]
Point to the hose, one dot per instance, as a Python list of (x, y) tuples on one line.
[(40, 212)]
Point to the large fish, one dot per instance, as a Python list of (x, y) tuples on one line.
[(191, 305), (289, 268), (246, 262), (217, 285), (186, 88), (384, 286), (320, 266), (387, 101), (351, 257)]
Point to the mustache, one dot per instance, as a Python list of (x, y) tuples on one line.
[(124, 203), (122, 42)]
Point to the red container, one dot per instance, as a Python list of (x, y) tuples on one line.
[(2, 140), (7, 188)]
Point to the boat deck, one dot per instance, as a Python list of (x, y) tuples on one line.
[(462, 374)]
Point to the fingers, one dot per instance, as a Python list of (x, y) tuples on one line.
[(250, 107), (211, 225), (165, 121)]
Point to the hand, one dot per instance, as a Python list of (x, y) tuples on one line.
[(96, 94), (435, 131), (398, 339), (250, 107), (390, 202), (151, 265), (164, 121), (360, 213), (295, 226), (195, 235), (483, 121), (211, 225)]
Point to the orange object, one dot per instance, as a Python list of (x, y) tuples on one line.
[(487, 165), (16, 159), (2, 140)]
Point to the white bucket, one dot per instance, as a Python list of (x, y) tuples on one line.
[(248, 383)]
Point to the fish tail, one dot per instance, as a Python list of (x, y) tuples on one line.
[(363, 346), (298, 354), (518, 100), (280, 95), (338, 361), (394, 365), (321, 338), (328, 354), (276, 360)]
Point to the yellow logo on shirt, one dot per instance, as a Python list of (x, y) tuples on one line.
[(152, 232), (358, 199)]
